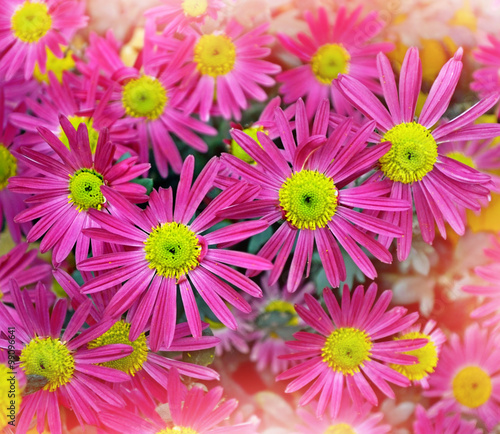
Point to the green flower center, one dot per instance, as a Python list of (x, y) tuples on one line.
[(283, 307), (8, 166), (49, 358), (472, 386), (76, 121), (118, 334), (340, 428), (31, 21), (412, 154), (427, 358), (144, 97), (214, 55), (308, 199), (329, 61), (194, 8), (172, 249), (462, 159), (346, 349), (85, 189), (178, 430), (239, 152)]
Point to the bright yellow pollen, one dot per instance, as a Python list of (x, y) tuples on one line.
[(308, 199), (9, 391), (239, 152), (329, 61), (85, 189), (214, 55), (76, 121), (284, 307), (172, 249), (462, 158), (31, 21), (56, 65), (412, 154), (49, 358), (346, 349), (194, 8), (8, 166), (427, 358), (178, 430), (340, 428), (472, 386), (144, 97), (118, 334)]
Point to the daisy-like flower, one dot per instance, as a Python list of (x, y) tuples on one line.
[(348, 351), (349, 420), (342, 48), (70, 186), (453, 424), (314, 196), (467, 374), (167, 252), (427, 356), (442, 187), (28, 27), (487, 80), (226, 69), (73, 379)]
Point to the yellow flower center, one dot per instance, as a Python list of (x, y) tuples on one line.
[(8, 166), (427, 358), (346, 349), (31, 21), (172, 249), (118, 334), (329, 61), (308, 199), (472, 386), (194, 8), (239, 152), (76, 121), (9, 391), (412, 154), (85, 189), (340, 428), (214, 55), (144, 97), (178, 430), (283, 307), (56, 65), (462, 158), (49, 358)]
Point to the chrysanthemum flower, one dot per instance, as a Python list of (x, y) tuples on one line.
[(428, 355), (342, 48), (487, 80), (467, 375), (226, 69), (348, 351), (452, 424), (28, 27), (442, 187), (74, 182), (166, 251), (349, 420), (73, 379), (314, 196)]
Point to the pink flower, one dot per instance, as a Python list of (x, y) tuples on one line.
[(166, 251), (342, 48), (440, 423), (487, 79), (347, 351), (28, 27), (442, 188)]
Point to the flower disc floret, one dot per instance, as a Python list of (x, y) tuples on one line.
[(329, 61), (412, 155), (340, 428), (472, 386), (31, 21), (214, 55), (85, 189), (178, 430), (119, 334), (346, 349), (8, 166), (144, 97), (194, 8), (49, 358), (427, 358), (308, 199), (92, 132), (172, 249)]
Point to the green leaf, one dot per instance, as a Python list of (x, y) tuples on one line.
[(146, 182)]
